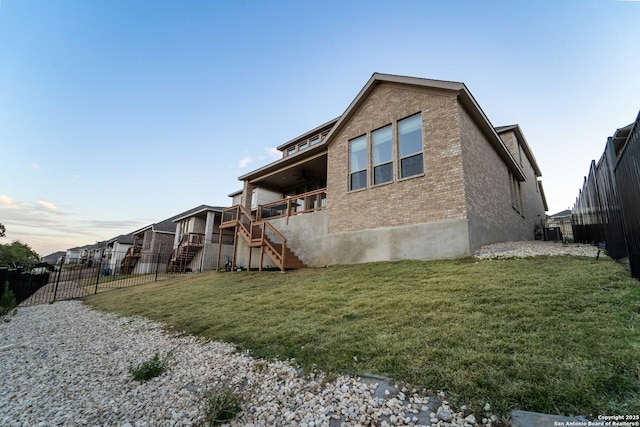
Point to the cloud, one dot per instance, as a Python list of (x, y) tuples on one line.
[(117, 224), (273, 153), (245, 161), (35, 166), (48, 205), (8, 201)]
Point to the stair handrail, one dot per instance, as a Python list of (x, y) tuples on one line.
[(243, 213), (234, 213), (267, 242)]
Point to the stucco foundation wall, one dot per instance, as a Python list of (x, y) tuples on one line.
[(308, 237)]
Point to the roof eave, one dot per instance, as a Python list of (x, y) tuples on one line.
[(379, 78), (204, 209), (544, 198), (525, 146), (308, 134), (278, 164)]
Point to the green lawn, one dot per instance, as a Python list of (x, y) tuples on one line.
[(548, 334)]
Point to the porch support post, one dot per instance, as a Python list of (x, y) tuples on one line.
[(235, 246), (248, 195), (219, 247), (261, 257)]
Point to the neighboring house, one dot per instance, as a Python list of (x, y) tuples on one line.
[(86, 255), (198, 240), (562, 220), (413, 169), (184, 241), (54, 258), (116, 252), (73, 255), (152, 247)]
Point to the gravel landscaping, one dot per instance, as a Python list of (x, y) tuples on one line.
[(65, 364), (535, 248)]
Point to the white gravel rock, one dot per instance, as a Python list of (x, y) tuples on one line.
[(535, 248), (71, 368)]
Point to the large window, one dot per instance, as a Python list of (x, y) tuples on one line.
[(387, 153), (382, 140), (410, 141), (358, 163)]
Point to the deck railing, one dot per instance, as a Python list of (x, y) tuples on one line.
[(299, 204), (230, 215), (192, 239)]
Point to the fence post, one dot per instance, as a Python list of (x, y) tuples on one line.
[(55, 288), (157, 266), (99, 268)]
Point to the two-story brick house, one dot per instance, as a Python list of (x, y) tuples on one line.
[(413, 169)]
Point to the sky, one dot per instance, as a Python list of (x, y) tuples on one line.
[(115, 114)]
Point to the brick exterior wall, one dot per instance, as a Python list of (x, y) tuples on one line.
[(532, 205), (488, 194), (437, 195), (510, 140), (486, 177)]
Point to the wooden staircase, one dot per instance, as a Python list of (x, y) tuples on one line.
[(189, 246), (130, 259), (263, 235)]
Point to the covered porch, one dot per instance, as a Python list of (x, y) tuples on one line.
[(295, 184)]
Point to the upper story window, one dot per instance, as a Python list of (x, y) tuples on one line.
[(382, 142), (410, 142), (358, 163), (314, 140)]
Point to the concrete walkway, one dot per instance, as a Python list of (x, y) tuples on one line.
[(535, 419)]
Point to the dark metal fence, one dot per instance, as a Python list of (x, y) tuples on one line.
[(21, 283), (70, 281), (608, 206), (102, 270), (628, 178)]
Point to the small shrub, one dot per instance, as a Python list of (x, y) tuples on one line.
[(7, 300), (222, 407), (150, 369)]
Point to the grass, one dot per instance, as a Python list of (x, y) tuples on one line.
[(222, 407), (549, 334), (150, 368)]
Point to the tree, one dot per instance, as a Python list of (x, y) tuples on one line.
[(2, 230), (18, 254)]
